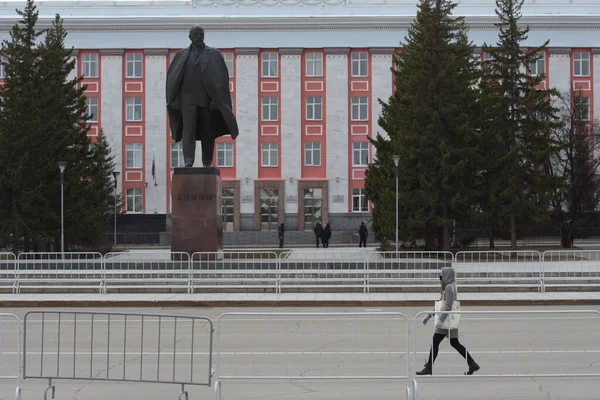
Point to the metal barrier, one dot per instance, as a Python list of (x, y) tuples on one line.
[(9, 276), (140, 270), (406, 269), (294, 346), (235, 270), (69, 270), (571, 269), (10, 361), (121, 347), (501, 268), (309, 269), (556, 343)]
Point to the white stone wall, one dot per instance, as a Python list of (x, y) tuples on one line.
[(337, 130), (156, 121), (291, 124), (246, 114), (73, 73), (381, 82), (112, 106), (559, 72)]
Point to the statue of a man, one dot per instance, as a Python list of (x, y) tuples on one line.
[(198, 98)]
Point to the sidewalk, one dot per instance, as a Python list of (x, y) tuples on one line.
[(291, 299)]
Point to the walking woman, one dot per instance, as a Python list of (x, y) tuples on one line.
[(448, 282)]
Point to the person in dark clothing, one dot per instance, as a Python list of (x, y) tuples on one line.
[(363, 233), (280, 233), (326, 235), (319, 233)]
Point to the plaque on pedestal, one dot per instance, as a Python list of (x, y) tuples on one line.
[(196, 220)]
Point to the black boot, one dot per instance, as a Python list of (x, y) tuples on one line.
[(426, 371), (473, 367)]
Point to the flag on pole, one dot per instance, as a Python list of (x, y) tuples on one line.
[(153, 169)]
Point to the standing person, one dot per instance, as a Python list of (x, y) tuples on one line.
[(319, 233), (326, 235), (281, 233), (363, 233), (448, 283)]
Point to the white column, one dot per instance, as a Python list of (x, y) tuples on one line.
[(156, 129), (111, 112), (337, 127), (73, 73), (596, 88), (381, 85), (559, 71), (246, 114), (291, 122)]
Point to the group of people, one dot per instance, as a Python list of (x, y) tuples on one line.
[(323, 234)]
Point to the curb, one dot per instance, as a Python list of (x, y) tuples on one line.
[(282, 303)]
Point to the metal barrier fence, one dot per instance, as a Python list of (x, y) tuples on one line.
[(121, 347), (10, 361), (247, 269), (65, 270), (555, 343), (394, 270), (310, 346), (280, 270), (309, 269)]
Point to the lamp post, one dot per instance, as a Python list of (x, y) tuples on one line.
[(116, 176), (396, 161), (61, 166)]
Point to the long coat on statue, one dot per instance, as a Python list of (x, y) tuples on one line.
[(213, 70)]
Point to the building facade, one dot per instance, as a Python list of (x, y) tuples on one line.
[(306, 77)]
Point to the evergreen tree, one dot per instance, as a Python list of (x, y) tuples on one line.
[(431, 122), (576, 164), (519, 116)]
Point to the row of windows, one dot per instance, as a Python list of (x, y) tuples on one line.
[(581, 63), (269, 197), (133, 109), (314, 108)]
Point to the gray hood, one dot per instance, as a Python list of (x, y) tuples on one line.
[(448, 275)]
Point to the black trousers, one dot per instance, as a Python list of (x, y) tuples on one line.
[(437, 339), (363, 241), (197, 118), (281, 241)]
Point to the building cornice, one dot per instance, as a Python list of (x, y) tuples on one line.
[(292, 22), (559, 50), (156, 52), (111, 52), (337, 50), (291, 51), (247, 51), (388, 51)]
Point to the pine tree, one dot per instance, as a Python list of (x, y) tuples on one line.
[(520, 115), (23, 203), (431, 122)]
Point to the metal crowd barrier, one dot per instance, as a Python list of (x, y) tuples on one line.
[(8, 271), (10, 361), (298, 346), (118, 347), (571, 268), (548, 350)]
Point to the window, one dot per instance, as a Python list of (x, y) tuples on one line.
[(133, 155), (314, 64), (176, 155), (314, 108), (582, 108), (269, 209), (269, 154), (133, 108), (134, 65), (360, 154), (581, 63), (224, 154), (359, 200), (313, 208), (91, 108), (538, 67), (3, 61), (269, 108), (89, 65), (227, 208), (360, 108), (134, 200), (229, 62), (360, 63), (312, 154), (270, 62)]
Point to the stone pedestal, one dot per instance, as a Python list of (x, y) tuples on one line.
[(196, 221)]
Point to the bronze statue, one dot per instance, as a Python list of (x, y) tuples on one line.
[(198, 99)]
